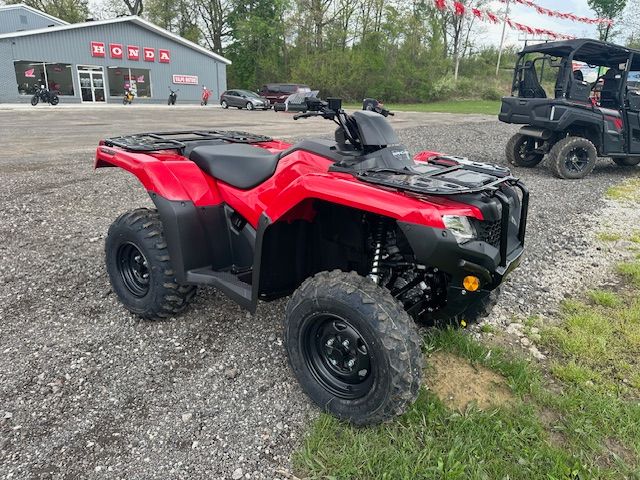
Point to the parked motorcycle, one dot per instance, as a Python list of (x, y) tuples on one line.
[(373, 105), (128, 97), (173, 96), (44, 95)]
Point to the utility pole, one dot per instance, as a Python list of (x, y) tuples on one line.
[(504, 28)]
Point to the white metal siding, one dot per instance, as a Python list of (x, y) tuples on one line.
[(11, 21)]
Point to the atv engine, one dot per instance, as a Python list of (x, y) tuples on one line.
[(420, 289)]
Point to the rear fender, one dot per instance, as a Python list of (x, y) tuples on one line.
[(167, 174), (188, 204)]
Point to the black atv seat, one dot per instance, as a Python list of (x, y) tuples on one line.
[(239, 165)]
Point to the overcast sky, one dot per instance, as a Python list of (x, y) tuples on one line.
[(530, 17)]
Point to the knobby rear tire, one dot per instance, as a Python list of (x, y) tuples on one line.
[(164, 297), (561, 151)]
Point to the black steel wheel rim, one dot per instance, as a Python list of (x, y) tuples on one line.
[(526, 150), (134, 269), (577, 159), (337, 355)]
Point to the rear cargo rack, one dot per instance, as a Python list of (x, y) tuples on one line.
[(156, 141)]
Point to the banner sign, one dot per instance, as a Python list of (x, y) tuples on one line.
[(185, 79), (116, 51)]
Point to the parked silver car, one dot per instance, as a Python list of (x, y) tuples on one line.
[(243, 99)]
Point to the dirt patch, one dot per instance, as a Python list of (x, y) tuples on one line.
[(458, 383), (614, 450), (552, 423)]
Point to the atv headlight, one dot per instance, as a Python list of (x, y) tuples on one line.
[(460, 227)]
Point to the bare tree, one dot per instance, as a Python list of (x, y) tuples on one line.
[(214, 16), (135, 8)]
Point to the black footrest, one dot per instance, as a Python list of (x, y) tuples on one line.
[(229, 283)]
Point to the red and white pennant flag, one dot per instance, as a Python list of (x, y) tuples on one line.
[(460, 9), (565, 16)]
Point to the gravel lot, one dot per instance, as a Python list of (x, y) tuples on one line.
[(89, 391)]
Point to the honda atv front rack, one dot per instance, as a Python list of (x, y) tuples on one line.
[(179, 140)]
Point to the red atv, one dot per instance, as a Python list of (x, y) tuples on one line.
[(366, 239)]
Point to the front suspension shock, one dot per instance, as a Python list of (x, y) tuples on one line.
[(378, 242)]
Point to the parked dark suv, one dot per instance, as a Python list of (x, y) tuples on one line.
[(278, 92)]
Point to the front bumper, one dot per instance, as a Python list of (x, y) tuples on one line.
[(437, 248)]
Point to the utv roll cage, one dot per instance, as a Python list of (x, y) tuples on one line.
[(561, 55), (589, 109)]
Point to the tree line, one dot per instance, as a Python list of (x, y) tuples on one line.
[(402, 50)]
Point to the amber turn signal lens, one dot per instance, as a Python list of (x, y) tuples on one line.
[(471, 283)]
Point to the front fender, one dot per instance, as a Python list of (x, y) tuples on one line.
[(348, 191)]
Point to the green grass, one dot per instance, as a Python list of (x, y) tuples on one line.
[(544, 435), (609, 236), (599, 342), (605, 298), (584, 426), (629, 191), (631, 271), (487, 107)]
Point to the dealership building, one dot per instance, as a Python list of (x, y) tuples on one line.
[(96, 61)]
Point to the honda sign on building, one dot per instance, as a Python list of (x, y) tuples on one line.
[(99, 61)]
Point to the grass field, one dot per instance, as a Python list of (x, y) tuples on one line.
[(487, 107), (574, 417)]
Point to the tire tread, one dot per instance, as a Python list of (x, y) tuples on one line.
[(174, 297)]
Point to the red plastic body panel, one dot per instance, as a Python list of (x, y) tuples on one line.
[(299, 177)]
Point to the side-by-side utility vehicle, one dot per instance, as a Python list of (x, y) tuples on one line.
[(578, 100), (365, 238)]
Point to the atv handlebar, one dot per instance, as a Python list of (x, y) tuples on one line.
[(306, 115)]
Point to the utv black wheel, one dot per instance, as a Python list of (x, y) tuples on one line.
[(573, 157), (34, 100), (140, 268), (352, 347), (520, 151), (626, 161)]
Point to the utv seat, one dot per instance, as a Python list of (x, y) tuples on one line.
[(240, 165), (530, 85), (609, 96)]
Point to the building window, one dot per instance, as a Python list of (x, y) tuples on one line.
[(138, 80), (55, 76)]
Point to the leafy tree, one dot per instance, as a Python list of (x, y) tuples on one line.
[(72, 11), (610, 9), (258, 43)]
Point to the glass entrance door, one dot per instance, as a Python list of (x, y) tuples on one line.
[(91, 84)]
